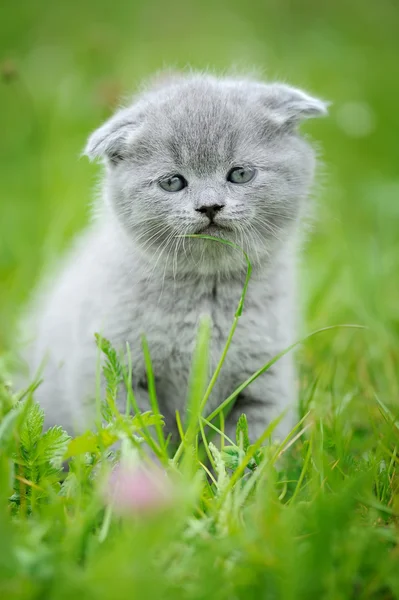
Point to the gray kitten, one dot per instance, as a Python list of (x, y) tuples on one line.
[(194, 154)]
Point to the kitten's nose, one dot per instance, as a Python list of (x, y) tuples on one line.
[(210, 211)]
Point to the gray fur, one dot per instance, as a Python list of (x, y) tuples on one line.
[(131, 272)]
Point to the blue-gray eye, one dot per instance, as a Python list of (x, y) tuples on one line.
[(175, 183), (241, 174)]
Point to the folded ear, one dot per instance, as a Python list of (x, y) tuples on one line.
[(111, 139), (287, 106)]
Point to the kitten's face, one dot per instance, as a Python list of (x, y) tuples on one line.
[(208, 156)]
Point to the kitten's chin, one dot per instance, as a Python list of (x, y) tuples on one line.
[(214, 230)]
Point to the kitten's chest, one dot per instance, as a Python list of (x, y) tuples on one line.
[(171, 320)]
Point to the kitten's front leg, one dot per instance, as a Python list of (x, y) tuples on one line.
[(270, 396)]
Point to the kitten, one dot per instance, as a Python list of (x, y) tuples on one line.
[(193, 154)]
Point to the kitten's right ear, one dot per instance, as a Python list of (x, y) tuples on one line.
[(111, 139)]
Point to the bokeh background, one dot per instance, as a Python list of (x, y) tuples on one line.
[(65, 65)]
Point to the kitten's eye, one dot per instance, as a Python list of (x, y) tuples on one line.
[(173, 184), (241, 174)]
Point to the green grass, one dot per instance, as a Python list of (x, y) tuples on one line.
[(318, 519)]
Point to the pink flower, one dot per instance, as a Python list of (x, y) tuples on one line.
[(138, 489)]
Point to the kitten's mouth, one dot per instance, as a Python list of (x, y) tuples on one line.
[(213, 228)]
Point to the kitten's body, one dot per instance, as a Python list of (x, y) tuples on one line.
[(130, 275)]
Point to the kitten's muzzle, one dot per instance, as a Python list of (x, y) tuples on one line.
[(210, 211)]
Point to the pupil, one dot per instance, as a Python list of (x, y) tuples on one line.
[(173, 183), (241, 174)]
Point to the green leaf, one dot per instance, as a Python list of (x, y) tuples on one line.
[(112, 368), (11, 423), (199, 375), (152, 394), (232, 456), (32, 428), (6, 479), (137, 423), (106, 437), (90, 442), (242, 433), (8, 427), (52, 447)]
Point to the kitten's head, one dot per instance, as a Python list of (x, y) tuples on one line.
[(199, 154)]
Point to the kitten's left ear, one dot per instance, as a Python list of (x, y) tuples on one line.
[(111, 139), (287, 106)]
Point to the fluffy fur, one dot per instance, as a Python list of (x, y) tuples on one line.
[(132, 272)]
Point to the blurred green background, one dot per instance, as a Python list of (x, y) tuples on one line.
[(64, 67)]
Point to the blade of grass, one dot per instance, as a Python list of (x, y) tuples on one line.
[(219, 431), (237, 315), (199, 374), (207, 471), (179, 424), (205, 442), (252, 451), (152, 391), (198, 378), (303, 472), (271, 362), (133, 403)]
